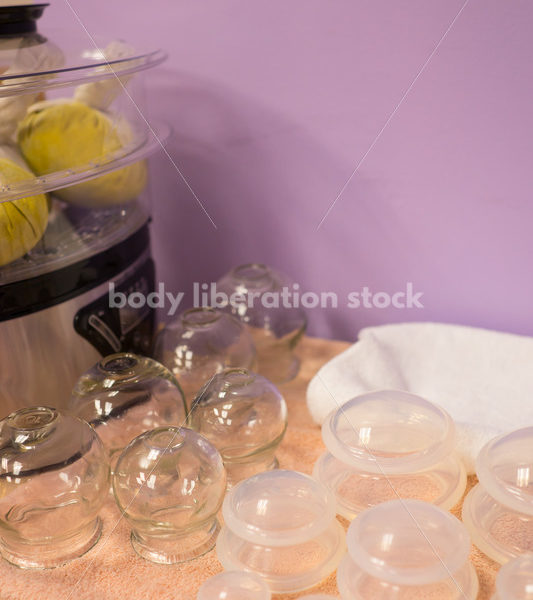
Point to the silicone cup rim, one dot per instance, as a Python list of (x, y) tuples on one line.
[(493, 485), (366, 461), (254, 534), (445, 567), (264, 590), (508, 571)]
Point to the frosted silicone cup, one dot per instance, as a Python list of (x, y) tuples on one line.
[(200, 343), (54, 478), (407, 549), (169, 483), (499, 510), (515, 579), (389, 444), (234, 585), (245, 417), (124, 395), (318, 597), (276, 326), (281, 525)]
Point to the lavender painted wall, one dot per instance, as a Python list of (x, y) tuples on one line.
[(275, 102)]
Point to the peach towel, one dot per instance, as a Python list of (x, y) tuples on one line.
[(112, 570)]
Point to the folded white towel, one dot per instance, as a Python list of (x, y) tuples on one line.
[(484, 379)]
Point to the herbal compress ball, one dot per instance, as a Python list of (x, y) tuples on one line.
[(60, 135), (22, 222)]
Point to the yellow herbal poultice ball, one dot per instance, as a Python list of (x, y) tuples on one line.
[(22, 222), (58, 135)]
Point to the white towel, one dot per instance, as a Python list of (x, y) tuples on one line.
[(484, 379)]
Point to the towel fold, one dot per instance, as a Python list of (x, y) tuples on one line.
[(484, 379)]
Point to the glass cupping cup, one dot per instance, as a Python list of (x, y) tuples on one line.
[(170, 483), (200, 343), (245, 417), (256, 295), (124, 395), (388, 444), (54, 478)]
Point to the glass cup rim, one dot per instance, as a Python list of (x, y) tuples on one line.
[(203, 316), (43, 417)]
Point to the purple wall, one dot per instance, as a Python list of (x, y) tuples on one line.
[(275, 102)]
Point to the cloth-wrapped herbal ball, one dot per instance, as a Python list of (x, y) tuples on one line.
[(65, 134), (22, 222)]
